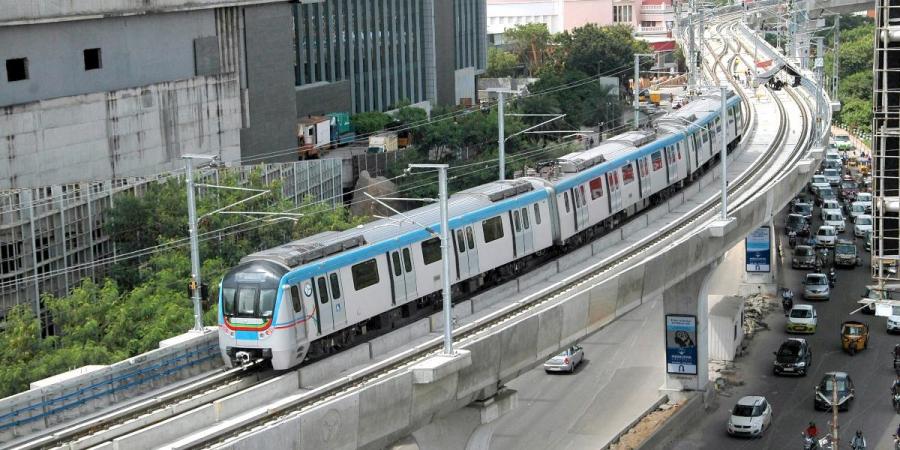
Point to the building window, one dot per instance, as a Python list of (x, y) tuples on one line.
[(92, 59), (622, 14), (16, 69)]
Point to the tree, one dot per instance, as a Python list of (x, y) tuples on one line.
[(370, 122), (532, 43), (857, 85), (857, 114), (501, 63), (593, 49)]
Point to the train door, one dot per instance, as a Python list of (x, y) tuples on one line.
[(471, 250), (615, 195), (671, 163), (515, 218), (398, 280), (297, 307), (462, 258), (323, 304), (338, 307), (412, 290), (682, 148), (527, 241), (582, 208), (644, 177)]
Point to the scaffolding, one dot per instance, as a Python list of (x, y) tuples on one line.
[(886, 141), (53, 236)]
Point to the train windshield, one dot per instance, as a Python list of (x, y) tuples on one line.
[(248, 300)]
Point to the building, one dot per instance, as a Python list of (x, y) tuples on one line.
[(652, 20), (103, 90)]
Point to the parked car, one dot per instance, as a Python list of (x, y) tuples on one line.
[(750, 417), (830, 207), (862, 224), (793, 357), (846, 253), (796, 223), (825, 391), (815, 287), (804, 209), (804, 257), (833, 176), (802, 319), (826, 236), (835, 220), (566, 361)]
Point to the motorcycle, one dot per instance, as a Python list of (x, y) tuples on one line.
[(811, 443), (787, 300), (792, 239), (832, 277), (896, 397)]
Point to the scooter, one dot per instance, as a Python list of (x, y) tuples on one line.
[(896, 397), (787, 300), (792, 239)]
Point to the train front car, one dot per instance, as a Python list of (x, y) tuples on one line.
[(251, 316)]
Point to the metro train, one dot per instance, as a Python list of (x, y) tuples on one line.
[(315, 295)]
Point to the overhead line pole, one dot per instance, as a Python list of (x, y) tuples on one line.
[(501, 140), (196, 283)]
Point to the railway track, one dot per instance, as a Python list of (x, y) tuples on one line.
[(114, 424), (253, 421)]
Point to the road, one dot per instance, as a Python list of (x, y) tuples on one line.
[(792, 398), (586, 409)]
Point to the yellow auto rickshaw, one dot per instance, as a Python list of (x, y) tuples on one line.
[(864, 169), (852, 161), (854, 336)]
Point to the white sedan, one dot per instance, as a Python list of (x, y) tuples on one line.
[(862, 225), (831, 206), (826, 236), (893, 324), (566, 361), (835, 220), (750, 417), (856, 209)]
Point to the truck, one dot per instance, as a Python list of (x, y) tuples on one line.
[(341, 130), (845, 253), (313, 133), (383, 143)]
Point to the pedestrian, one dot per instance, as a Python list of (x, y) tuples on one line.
[(813, 432)]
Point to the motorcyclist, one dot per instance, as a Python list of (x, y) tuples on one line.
[(812, 431), (792, 238), (858, 442), (832, 277), (787, 299), (895, 389)]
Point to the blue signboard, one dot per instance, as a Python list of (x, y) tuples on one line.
[(681, 344), (758, 249)]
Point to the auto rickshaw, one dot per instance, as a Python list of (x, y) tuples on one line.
[(864, 169), (852, 161), (854, 336)]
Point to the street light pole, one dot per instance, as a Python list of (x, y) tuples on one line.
[(445, 248), (723, 155), (195, 246), (637, 88)]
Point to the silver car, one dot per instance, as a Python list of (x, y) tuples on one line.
[(815, 287), (566, 361)]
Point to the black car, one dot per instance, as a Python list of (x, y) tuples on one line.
[(797, 224), (804, 209), (804, 257), (793, 357), (825, 391)]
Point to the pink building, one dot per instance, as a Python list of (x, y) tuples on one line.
[(652, 19)]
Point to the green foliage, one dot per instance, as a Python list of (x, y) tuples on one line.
[(532, 43), (586, 104), (857, 85), (370, 122), (855, 88), (857, 114), (593, 49), (501, 63)]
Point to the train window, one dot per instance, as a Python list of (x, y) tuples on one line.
[(537, 214), (407, 260), (596, 186), (228, 301), (582, 196), (517, 221), (718, 124), (395, 257), (566, 198), (431, 251), (295, 298), (266, 302), (470, 236), (365, 274), (246, 301), (656, 157), (492, 229), (525, 218), (335, 286), (323, 290), (627, 173), (460, 241), (705, 136)]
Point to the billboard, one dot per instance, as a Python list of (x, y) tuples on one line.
[(758, 251), (681, 344)]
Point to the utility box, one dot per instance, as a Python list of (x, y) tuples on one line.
[(726, 326)]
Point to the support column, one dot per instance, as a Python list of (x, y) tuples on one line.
[(689, 298), (469, 428)]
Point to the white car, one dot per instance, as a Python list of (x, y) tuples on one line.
[(832, 207), (802, 319), (566, 361), (862, 224), (833, 176), (835, 220), (893, 324), (750, 417), (819, 179), (857, 209), (833, 155), (826, 236), (865, 198)]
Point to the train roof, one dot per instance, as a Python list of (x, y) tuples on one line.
[(321, 245)]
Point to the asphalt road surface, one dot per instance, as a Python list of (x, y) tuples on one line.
[(792, 397)]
